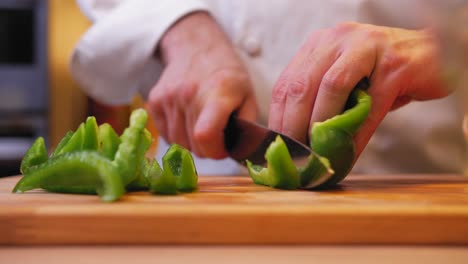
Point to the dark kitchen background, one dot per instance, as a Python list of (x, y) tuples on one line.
[(37, 95)]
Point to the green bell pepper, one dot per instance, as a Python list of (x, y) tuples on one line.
[(140, 182), (35, 155), (128, 157), (179, 173), (109, 141), (84, 172), (159, 181), (331, 139), (178, 163), (280, 172), (95, 160), (75, 143), (91, 135), (62, 143)]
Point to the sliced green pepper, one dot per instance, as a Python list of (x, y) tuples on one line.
[(127, 158), (75, 143), (62, 143), (109, 141), (91, 139), (95, 160), (333, 138), (159, 181), (141, 182), (35, 155), (280, 172), (78, 172), (178, 163)]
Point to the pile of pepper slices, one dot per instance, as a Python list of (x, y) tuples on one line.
[(95, 160)]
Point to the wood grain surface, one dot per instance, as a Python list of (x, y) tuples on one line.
[(382, 209)]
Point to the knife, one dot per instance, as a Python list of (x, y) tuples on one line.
[(245, 140)]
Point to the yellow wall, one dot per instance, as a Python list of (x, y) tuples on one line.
[(67, 103)]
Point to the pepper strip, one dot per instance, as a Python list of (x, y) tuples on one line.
[(91, 139), (75, 143), (127, 157), (280, 171), (159, 181), (35, 155), (109, 141), (62, 143), (333, 138), (78, 172), (141, 182), (178, 163)]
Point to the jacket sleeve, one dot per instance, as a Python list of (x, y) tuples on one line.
[(115, 59)]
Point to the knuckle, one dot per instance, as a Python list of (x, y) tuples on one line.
[(290, 87), (279, 91), (155, 102), (391, 61), (333, 82), (297, 88), (187, 92), (202, 137)]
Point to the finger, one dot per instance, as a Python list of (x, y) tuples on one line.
[(158, 114), (383, 96), (339, 81), (248, 110), (295, 92), (176, 126), (401, 101), (209, 129), (191, 114)]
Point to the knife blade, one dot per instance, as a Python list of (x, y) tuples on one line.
[(245, 140)]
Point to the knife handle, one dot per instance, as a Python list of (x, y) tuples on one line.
[(230, 137)]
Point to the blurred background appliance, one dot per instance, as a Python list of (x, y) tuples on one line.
[(23, 79)]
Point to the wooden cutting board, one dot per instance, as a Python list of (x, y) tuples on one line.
[(384, 209)]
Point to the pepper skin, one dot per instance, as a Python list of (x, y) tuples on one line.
[(140, 182), (127, 158), (333, 138), (159, 181), (91, 136), (84, 172), (109, 141), (178, 163), (35, 155), (280, 172), (75, 143), (95, 160), (62, 143)]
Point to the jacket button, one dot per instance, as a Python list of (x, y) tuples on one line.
[(252, 46)]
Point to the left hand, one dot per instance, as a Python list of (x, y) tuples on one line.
[(402, 65)]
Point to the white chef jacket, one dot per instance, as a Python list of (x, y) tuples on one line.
[(115, 59)]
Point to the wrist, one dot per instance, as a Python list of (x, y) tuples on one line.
[(192, 33)]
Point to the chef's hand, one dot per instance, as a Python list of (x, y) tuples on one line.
[(402, 66), (203, 82)]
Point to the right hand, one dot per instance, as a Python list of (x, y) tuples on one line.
[(204, 81)]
